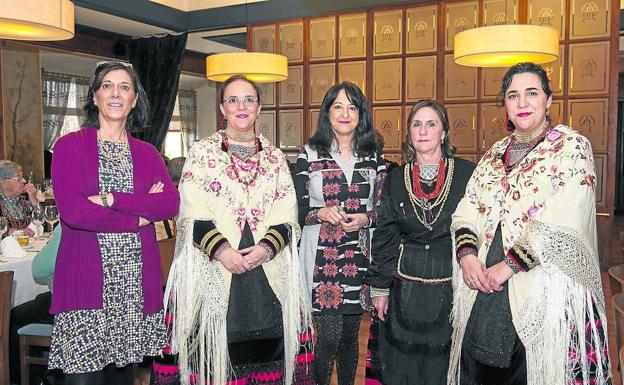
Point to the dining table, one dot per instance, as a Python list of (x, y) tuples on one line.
[(25, 288)]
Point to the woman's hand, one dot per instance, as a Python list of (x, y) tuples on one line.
[(234, 261), (499, 274), (331, 214), (156, 188), (31, 190), (255, 256), (354, 222), (381, 305), (143, 222), (97, 199), (474, 272), (28, 231)]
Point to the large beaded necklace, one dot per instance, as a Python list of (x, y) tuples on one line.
[(421, 201)]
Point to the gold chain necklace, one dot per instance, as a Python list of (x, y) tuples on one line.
[(424, 205), (238, 136), (530, 136)]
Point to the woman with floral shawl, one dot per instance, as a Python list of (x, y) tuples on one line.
[(235, 293), (528, 303)]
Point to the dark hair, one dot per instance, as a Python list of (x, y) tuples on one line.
[(138, 118), (521, 68), (409, 152), (364, 142), (234, 78), (174, 168)]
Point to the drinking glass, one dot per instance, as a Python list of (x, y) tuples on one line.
[(50, 214), (37, 217), (30, 176)]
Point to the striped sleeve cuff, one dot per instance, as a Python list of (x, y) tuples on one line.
[(275, 239), (465, 243), (519, 259), (207, 238)]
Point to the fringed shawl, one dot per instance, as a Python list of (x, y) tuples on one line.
[(547, 205), (198, 289)]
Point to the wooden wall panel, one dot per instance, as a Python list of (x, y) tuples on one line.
[(399, 55)]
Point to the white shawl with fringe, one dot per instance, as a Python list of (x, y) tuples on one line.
[(547, 205), (198, 289)]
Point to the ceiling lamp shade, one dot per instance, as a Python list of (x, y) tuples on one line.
[(256, 66), (506, 45), (41, 20)]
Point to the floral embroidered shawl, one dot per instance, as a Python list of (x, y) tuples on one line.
[(547, 205), (258, 191)]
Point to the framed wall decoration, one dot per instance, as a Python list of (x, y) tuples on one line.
[(291, 89), (554, 70), (589, 18), (589, 117), (290, 129), (388, 32), (589, 68), (460, 81), (353, 71), (421, 29), (498, 12), (387, 77), (388, 121), (547, 13), (313, 114), (267, 94), (491, 82), (265, 125), (600, 164), (291, 41), (322, 76), (420, 78), (459, 17), (352, 35), (323, 38), (556, 112), (264, 39), (491, 125), (462, 126)]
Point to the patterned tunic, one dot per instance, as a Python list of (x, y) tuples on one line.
[(88, 340), (335, 261)]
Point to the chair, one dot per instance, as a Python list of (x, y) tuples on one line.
[(39, 335), (6, 289), (166, 248), (616, 278), (617, 302)]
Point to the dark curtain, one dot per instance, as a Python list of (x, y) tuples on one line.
[(158, 62)]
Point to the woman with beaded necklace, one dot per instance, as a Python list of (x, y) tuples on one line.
[(529, 306), (235, 293), (410, 273)]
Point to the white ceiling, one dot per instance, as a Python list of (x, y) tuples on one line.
[(196, 5), (83, 65), (107, 22)]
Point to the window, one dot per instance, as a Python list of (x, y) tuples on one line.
[(183, 125)]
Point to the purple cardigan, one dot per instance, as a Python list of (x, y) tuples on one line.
[(78, 276)]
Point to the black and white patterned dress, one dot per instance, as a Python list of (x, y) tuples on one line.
[(88, 340)]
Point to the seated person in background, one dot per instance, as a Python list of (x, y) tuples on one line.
[(14, 205), (37, 310), (166, 229)]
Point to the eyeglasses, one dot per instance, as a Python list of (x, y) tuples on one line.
[(19, 177), (235, 101)]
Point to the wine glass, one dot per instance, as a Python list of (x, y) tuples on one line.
[(30, 176), (50, 214), (37, 217), (3, 226)]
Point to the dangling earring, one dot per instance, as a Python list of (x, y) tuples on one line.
[(442, 139)]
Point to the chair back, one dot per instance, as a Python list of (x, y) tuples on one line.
[(166, 248), (6, 291), (617, 302), (616, 279)]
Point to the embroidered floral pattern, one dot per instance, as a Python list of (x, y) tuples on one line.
[(329, 295)]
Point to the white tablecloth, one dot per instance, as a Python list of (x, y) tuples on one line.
[(24, 286)]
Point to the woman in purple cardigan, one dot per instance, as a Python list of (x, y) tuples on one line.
[(109, 189)]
